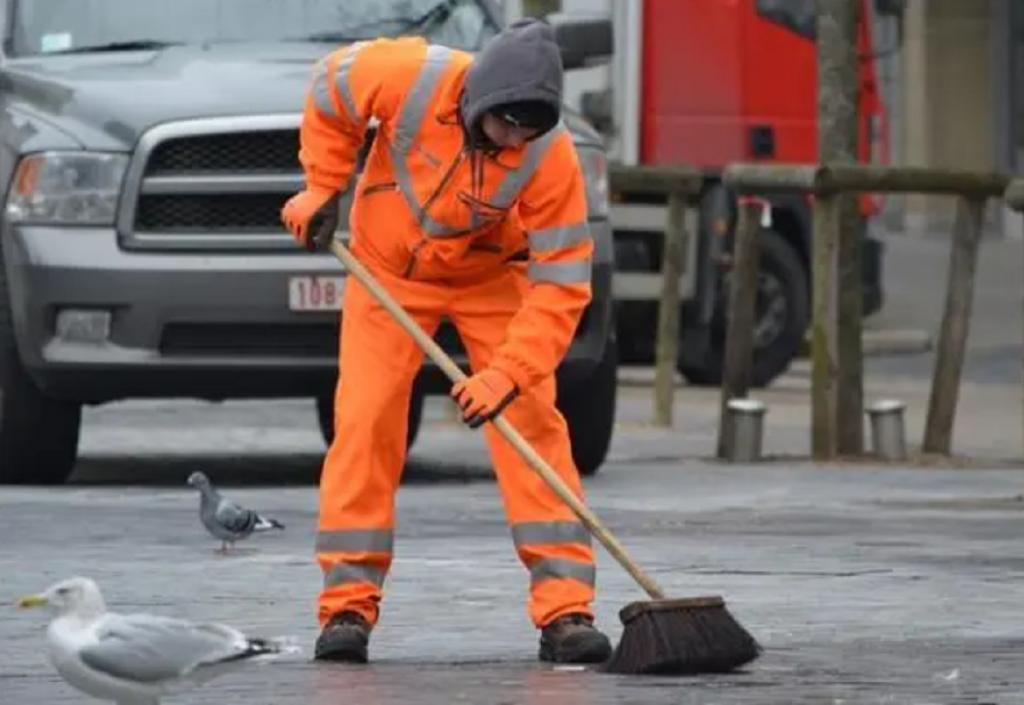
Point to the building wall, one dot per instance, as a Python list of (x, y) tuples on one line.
[(956, 93), (1011, 127), (1016, 81)]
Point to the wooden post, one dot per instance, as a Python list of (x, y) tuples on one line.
[(955, 324), (837, 143), (667, 342), (739, 337), (850, 392), (824, 330)]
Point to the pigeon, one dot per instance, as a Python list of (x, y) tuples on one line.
[(226, 520), (134, 659)]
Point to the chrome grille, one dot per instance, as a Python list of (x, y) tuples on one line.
[(250, 212), (242, 152), (213, 184)]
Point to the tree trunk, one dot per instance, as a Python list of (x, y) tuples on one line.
[(837, 143)]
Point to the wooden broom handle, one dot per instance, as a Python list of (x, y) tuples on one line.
[(539, 465)]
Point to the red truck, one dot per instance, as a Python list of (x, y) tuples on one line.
[(707, 83)]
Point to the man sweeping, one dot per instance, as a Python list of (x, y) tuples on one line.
[(470, 207)]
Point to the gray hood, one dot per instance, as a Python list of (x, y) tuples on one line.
[(521, 63), (107, 101)]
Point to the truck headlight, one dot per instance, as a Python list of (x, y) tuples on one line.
[(595, 175), (66, 188)]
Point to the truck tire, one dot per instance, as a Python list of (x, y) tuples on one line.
[(589, 411), (38, 435), (325, 416), (783, 312)]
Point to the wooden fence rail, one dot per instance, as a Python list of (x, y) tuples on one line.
[(828, 179), (828, 182), (681, 184)]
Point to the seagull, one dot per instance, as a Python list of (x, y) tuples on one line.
[(226, 520), (134, 659)]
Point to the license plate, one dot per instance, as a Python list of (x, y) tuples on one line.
[(315, 293)]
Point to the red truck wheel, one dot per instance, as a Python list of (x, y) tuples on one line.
[(783, 312)]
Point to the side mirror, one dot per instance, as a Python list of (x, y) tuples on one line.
[(892, 8), (896, 11), (582, 39)]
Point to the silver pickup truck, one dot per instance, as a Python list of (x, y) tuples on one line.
[(147, 147)]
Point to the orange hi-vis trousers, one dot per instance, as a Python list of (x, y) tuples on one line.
[(363, 466)]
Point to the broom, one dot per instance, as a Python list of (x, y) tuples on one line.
[(659, 636)]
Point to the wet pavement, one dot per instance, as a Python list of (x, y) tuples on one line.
[(862, 583)]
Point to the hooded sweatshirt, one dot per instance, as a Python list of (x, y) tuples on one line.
[(522, 63), (427, 208)]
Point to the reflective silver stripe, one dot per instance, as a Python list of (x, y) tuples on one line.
[(559, 237), (321, 96), (514, 180), (437, 229), (534, 533), (344, 573), (414, 107), (559, 272), (341, 81), (369, 540), (508, 189), (562, 568)]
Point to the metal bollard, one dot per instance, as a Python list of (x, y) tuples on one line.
[(744, 429), (887, 434)]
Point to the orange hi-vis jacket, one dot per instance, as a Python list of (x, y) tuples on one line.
[(431, 205)]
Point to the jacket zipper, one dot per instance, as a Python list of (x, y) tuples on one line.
[(383, 186), (429, 202), (412, 257), (444, 182)]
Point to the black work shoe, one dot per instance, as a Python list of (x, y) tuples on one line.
[(344, 638), (573, 638)]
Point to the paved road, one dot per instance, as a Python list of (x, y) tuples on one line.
[(864, 584)]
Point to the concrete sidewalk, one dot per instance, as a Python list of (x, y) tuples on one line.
[(863, 584), (988, 428)]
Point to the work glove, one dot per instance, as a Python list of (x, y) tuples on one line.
[(311, 216), (483, 396)]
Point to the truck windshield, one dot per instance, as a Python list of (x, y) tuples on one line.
[(60, 26)]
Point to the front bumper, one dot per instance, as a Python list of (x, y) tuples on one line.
[(203, 324)]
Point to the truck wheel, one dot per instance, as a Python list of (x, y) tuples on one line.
[(783, 311), (38, 435), (325, 416), (589, 411)]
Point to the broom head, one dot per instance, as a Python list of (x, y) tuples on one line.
[(684, 637)]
